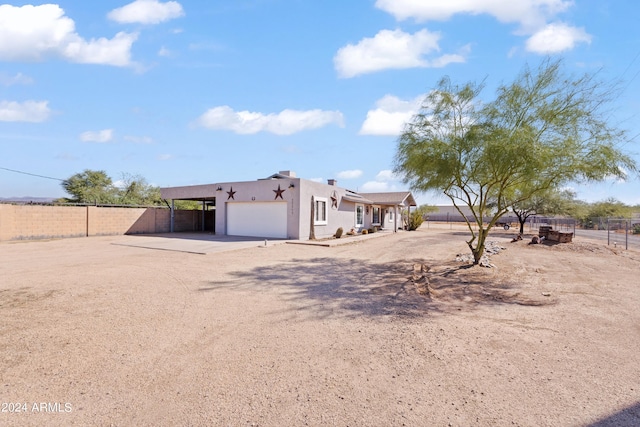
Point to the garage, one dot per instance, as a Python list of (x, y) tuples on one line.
[(260, 219)]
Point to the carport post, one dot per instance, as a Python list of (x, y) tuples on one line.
[(173, 209), (203, 210)]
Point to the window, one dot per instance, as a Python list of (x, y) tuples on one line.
[(359, 215), (376, 215), (320, 207), (390, 215)]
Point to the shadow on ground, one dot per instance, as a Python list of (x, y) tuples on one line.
[(628, 417), (355, 287)]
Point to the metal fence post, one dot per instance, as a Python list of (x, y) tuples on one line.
[(626, 235)]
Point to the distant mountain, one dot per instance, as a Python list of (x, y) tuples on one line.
[(28, 199)]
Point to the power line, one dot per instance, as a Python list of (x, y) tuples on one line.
[(31, 174)]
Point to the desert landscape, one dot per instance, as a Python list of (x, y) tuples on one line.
[(386, 331)]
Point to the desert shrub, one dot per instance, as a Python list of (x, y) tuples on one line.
[(415, 220), (339, 232), (365, 231), (636, 228)]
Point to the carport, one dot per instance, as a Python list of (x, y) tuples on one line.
[(204, 194), (208, 213)]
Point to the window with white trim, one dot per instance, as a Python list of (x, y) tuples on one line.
[(359, 215), (320, 207), (390, 214), (375, 215)]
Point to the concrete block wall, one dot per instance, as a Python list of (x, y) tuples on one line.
[(20, 222), (27, 222)]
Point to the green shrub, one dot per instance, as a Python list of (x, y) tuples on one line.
[(636, 228), (415, 220)]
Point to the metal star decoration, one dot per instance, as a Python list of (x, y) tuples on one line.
[(231, 193), (334, 200), (278, 192)]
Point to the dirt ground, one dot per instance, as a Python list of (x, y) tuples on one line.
[(96, 333)]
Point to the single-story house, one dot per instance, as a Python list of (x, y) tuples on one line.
[(287, 207)]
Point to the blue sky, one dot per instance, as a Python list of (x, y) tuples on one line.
[(194, 92)]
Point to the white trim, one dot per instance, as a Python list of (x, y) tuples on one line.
[(361, 224), (321, 219), (373, 209)]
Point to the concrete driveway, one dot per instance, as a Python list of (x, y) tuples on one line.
[(206, 243), (196, 243)]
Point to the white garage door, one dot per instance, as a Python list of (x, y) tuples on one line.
[(260, 219)]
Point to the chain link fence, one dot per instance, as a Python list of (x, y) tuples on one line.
[(618, 232)]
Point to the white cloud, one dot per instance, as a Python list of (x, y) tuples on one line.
[(146, 12), (36, 33), (375, 187), (316, 179), (286, 122), (165, 52), (138, 139), (390, 115), (556, 37), (385, 180), (115, 51), (350, 174), (18, 79), (165, 157), (386, 176), (28, 111), (530, 14), (101, 136), (391, 50)]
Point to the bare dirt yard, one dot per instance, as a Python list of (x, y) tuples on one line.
[(96, 333)]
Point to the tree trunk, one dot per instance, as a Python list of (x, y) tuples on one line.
[(478, 251), (522, 221)]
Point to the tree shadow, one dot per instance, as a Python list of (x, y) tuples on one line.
[(354, 287), (627, 417)]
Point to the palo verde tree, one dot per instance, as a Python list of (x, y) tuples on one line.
[(548, 202), (543, 130)]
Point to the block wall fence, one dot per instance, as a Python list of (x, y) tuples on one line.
[(32, 222)]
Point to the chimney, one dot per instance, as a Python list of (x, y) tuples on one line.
[(290, 174), (332, 182)]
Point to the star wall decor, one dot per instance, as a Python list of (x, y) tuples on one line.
[(334, 200), (231, 193), (278, 193)]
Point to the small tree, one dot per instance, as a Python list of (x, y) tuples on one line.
[(550, 202), (609, 208), (134, 190), (541, 131), (90, 186)]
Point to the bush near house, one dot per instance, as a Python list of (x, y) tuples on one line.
[(415, 220)]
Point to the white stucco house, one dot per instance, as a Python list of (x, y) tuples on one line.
[(284, 206)]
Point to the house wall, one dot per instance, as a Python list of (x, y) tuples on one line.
[(297, 193), (343, 216), (31, 222), (260, 191)]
